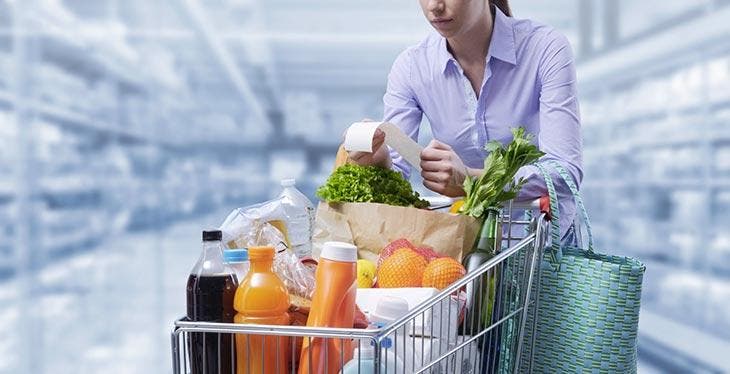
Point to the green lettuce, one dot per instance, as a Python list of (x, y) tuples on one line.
[(369, 184)]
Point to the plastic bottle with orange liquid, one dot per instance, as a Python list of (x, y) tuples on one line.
[(261, 298), (333, 305)]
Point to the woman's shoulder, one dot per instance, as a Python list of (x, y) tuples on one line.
[(424, 60), (533, 36), (425, 50)]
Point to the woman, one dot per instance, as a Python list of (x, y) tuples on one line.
[(482, 73)]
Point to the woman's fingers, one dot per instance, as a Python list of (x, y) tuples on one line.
[(436, 177), (435, 144), (434, 186), (432, 154), (432, 166), (378, 139)]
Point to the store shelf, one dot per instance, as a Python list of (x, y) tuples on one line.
[(628, 182), (685, 341), (5, 98), (676, 45), (7, 187), (62, 47)]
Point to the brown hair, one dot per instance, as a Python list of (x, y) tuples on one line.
[(503, 5)]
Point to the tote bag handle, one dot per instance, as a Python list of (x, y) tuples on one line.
[(556, 251), (578, 200)]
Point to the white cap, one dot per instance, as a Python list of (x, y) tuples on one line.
[(289, 182), (339, 251), (389, 309)]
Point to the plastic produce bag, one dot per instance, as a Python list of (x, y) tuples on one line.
[(298, 278), (263, 225), (245, 227)]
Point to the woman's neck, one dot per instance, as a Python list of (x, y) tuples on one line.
[(472, 46)]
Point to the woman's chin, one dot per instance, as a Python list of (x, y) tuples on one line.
[(445, 33)]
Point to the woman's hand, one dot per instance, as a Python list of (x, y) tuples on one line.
[(380, 155), (442, 169)]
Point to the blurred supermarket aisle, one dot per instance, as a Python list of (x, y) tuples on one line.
[(107, 310), (128, 126)]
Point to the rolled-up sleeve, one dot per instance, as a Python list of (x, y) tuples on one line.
[(400, 106), (560, 132)]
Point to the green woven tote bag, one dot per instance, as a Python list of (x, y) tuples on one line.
[(587, 312)]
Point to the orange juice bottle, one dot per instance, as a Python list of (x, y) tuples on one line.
[(333, 305), (261, 298)]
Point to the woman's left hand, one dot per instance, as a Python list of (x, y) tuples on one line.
[(442, 169)]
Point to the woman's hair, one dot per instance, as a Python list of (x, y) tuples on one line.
[(503, 5)]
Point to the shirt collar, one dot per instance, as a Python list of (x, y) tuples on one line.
[(501, 47)]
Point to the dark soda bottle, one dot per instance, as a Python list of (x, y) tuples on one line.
[(211, 287)]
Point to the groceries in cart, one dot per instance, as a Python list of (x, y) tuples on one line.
[(269, 223), (376, 279)]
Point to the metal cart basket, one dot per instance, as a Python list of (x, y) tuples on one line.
[(435, 337)]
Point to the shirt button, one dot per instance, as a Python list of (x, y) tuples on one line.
[(475, 139)]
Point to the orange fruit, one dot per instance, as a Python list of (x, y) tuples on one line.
[(404, 268), (392, 247), (442, 272)]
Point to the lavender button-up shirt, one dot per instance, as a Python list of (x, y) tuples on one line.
[(529, 81)]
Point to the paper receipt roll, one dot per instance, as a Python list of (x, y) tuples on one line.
[(359, 138)]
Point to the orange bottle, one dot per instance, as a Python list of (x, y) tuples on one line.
[(333, 305), (261, 298)]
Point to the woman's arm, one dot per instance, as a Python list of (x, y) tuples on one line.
[(560, 133), (400, 106)]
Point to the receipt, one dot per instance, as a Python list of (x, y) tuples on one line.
[(359, 137)]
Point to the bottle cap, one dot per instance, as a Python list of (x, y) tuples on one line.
[(389, 309), (235, 255), (387, 343), (212, 235), (289, 182), (339, 251), (261, 253)]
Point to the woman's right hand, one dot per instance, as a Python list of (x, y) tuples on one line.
[(380, 155)]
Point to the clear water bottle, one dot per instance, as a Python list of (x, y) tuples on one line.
[(300, 212)]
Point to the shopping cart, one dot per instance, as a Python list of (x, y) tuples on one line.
[(435, 337)]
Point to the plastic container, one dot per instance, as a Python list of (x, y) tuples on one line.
[(210, 292), (389, 310), (363, 360), (300, 218), (333, 305), (262, 298), (237, 259)]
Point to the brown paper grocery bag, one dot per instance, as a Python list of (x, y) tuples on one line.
[(371, 226)]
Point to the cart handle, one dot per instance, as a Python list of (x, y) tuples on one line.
[(542, 204)]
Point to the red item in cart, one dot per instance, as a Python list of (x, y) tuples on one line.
[(333, 305), (393, 246), (426, 252)]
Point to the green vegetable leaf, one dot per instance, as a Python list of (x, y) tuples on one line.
[(497, 185), (354, 183)]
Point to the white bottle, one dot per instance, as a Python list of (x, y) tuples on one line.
[(300, 212), (388, 310), (363, 360)]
